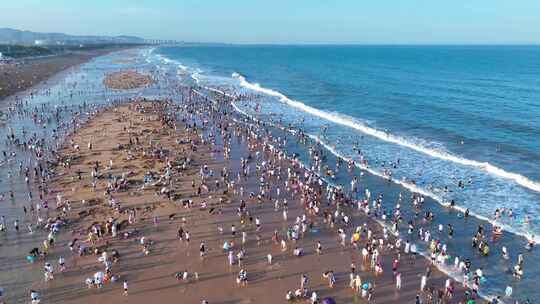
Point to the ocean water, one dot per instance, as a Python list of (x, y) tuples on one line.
[(448, 113), (433, 117)]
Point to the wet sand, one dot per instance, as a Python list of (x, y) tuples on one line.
[(24, 74), (127, 80), (151, 276)]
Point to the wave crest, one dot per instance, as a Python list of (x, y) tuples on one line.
[(356, 125)]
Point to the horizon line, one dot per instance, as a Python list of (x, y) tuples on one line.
[(356, 44)]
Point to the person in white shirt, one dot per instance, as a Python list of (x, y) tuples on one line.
[(125, 287)]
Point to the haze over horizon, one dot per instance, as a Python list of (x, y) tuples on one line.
[(286, 22)]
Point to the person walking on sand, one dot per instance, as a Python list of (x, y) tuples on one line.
[(125, 287), (358, 283), (244, 237), (319, 248), (423, 282), (62, 264), (398, 281), (303, 281), (48, 272)]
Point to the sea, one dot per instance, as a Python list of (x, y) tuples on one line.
[(453, 123)]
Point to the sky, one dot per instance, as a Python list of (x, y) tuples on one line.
[(286, 21)]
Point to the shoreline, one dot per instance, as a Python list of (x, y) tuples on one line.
[(26, 73), (384, 282), (202, 109)]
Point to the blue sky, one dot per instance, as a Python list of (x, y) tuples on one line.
[(286, 21)]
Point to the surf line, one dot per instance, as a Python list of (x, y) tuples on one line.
[(446, 270), (412, 188), (344, 121)]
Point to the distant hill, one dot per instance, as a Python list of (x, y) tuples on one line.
[(13, 36), (20, 51)]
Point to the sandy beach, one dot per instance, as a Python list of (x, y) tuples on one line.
[(136, 167)]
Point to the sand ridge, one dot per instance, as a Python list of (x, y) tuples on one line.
[(127, 80)]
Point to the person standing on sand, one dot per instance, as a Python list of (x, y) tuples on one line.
[(398, 281), (125, 287), (48, 272), (186, 237), (314, 298), (62, 264), (423, 282), (202, 250), (303, 281)]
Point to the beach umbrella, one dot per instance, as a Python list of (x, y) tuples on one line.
[(328, 301)]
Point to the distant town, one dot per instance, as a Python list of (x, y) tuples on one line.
[(16, 44)]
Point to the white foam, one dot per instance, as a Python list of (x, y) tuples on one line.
[(446, 269), (239, 110), (356, 125), (182, 68), (414, 188), (411, 187), (196, 77)]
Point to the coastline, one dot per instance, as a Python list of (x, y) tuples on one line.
[(25, 73), (201, 112)]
